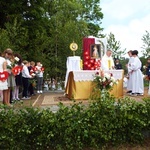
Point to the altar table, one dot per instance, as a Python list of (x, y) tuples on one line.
[(80, 84)]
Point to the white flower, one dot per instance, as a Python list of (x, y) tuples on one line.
[(113, 79), (17, 59), (107, 76), (104, 79), (33, 74), (144, 67), (111, 84)]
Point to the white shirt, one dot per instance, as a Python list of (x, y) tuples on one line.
[(25, 72)]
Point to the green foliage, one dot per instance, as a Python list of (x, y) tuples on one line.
[(115, 46), (43, 30), (101, 123), (146, 44)]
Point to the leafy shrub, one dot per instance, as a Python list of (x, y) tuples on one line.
[(104, 121)]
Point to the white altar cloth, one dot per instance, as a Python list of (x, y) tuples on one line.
[(88, 75), (72, 64)]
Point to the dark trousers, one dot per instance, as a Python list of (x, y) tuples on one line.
[(39, 83), (31, 89), (25, 83)]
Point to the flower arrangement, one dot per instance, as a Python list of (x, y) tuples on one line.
[(38, 69), (104, 80), (13, 63)]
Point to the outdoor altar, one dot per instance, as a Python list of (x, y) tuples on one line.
[(80, 84)]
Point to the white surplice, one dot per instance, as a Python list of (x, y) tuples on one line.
[(137, 76)]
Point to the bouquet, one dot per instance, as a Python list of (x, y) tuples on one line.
[(104, 80), (38, 69), (13, 63)]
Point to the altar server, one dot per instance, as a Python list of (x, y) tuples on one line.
[(137, 76), (107, 62), (129, 75)]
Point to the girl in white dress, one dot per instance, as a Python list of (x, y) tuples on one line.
[(3, 83), (8, 54)]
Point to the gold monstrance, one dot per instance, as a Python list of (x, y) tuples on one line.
[(73, 47)]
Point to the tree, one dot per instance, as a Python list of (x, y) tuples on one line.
[(115, 46), (43, 29), (146, 44)]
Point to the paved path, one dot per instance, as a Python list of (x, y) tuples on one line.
[(51, 99)]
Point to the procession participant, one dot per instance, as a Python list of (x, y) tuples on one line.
[(137, 76), (18, 77), (39, 74), (25, 79), (129, 77), (8, 55), (32, 73), (3, 82), (107, 62)]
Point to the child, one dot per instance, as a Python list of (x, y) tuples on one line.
[(39, 70), (25, 79)]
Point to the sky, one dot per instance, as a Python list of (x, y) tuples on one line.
[(127, 20)]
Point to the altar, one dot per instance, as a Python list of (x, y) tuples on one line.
[(80, 84)]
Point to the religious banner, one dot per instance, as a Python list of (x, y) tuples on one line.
[(91, 54)]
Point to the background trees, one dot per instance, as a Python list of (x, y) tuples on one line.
[(43, 29), (115, 46), (146, 44)]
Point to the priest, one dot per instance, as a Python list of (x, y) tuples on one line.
[(107, 62)]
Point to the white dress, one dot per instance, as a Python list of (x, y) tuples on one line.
[(3, 85)]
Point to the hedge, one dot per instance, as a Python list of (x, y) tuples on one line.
[(101, 123)]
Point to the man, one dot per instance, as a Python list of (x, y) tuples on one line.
[(107, 62)]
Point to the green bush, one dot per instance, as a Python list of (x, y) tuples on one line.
[(101, 123)]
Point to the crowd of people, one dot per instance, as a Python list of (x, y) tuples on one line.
[(16, 74)]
